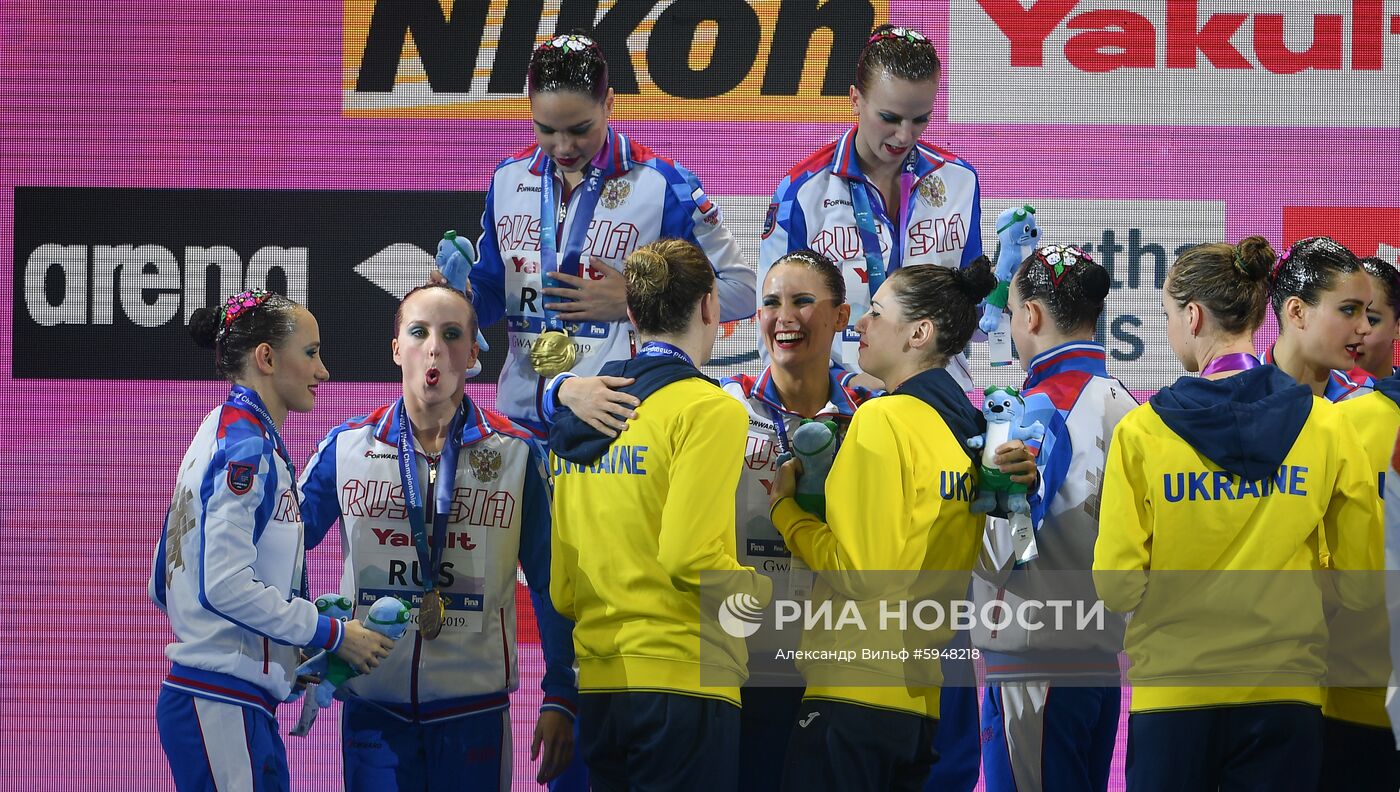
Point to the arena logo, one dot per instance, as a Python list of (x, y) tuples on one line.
[(1136, 62), (148, 284), (112, 276), (704, 58)]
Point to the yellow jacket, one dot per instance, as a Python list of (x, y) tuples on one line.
[(633, 532), (1208, 486), (1360, 639), (897, 500)]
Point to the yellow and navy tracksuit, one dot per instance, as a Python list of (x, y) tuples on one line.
[(897, 500), (1358, 746), (637, 520), (1207, 485)]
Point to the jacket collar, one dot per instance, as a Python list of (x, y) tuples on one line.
[(615, 157), (766, 391), (1085, 356), (474, 430), (845, 164)]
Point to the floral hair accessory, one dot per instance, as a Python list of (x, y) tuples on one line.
[(906, 33), (1058, 259), (569, 41), (242, 302)]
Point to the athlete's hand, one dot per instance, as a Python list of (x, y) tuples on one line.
[(363, 648), (1017, 461), (590, 300), (597, 401), (554, 732), (785, 485), (436, 278)]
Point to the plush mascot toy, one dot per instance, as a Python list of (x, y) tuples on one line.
[(388, 616), (456, 255), (1004, 411), (1017, 234), (814, 443)]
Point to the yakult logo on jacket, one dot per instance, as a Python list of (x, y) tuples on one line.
[(1179, 61)]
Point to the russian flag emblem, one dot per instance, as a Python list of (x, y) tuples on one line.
[(702, 201)]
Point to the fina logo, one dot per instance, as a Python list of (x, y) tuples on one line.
[(741, 615)]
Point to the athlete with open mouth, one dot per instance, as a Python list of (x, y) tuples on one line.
[(1320, 295)]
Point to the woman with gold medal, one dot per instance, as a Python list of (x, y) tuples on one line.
[(561, 216)]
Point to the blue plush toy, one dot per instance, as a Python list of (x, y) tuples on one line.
[(1004, 411), (456, 255), (1017, 232), (814, 443)]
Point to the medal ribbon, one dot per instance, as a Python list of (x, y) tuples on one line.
[(429, 557), (249, 398), (580, 219), (784, 444), (865, 222), (663, 349), (1235, 361)]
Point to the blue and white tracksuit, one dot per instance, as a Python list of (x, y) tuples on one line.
[(812, 208), (1039, 734), (770, 703), (645, 197), (228, 573), (436, 713)]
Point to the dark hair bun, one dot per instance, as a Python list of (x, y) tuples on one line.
[(204, 327), (1095, 282), (1256, 257), (977, 280)]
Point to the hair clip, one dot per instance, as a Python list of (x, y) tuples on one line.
[(1239, 264), (569, 41), (906, 33), (236, 305), (1059, 258), (803, 256), (1278, 265)]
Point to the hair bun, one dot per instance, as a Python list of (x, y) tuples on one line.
[(1255, 257), (1094, 280), (977, 280), (647, 273), (204, 327)]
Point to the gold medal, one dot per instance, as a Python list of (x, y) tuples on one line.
[(430, 615), (552, 353)]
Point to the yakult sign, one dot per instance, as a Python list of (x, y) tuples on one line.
[(1177, 62)]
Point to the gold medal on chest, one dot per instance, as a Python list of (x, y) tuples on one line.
[(552, 353), (430, 615)]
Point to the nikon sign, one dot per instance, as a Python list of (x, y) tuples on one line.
[(704, 59)]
